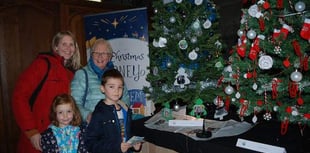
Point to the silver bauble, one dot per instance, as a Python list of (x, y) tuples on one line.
[(251, 34), (229, 90), (300, 6), (296, 76)]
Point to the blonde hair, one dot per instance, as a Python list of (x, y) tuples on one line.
[(104, 42), (65, 99), (74, 62)]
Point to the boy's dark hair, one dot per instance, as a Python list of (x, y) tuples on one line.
[(112, 73)]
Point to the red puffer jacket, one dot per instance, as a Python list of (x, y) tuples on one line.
[(37, 120)]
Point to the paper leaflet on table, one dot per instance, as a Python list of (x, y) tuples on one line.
[(218, 128)]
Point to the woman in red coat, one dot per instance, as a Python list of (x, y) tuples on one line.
[(33, 119)]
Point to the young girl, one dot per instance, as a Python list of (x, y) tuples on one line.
[(109, 127), (64, 134)]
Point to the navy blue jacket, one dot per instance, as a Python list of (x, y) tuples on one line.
[(103, 134)]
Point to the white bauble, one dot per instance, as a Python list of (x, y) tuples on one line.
[(296, 76), (251, 34), (300, 6), (229, 90)]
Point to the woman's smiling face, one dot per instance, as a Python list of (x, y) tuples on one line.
[(101, 55), (66, 47)]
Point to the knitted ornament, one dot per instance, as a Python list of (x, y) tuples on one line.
[(284, 30), (305, 31), (276, 34)]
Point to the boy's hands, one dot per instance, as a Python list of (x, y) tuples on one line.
[(125, 146)]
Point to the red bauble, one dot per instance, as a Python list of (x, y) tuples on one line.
[(286, 63), (300, 101)]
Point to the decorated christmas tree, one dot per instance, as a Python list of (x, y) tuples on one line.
[(267, 72), (185, 43)]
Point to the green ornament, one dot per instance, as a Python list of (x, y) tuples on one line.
[(198, 109), (167, 113)]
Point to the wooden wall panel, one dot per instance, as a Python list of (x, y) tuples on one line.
[(25, 30)]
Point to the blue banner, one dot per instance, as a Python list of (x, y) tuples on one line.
[(127, 31)]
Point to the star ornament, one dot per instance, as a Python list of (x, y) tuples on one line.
[(115, 23)]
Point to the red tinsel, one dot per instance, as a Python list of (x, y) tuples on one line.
[(293, 88), (274, 89), (279, 4), (219, 82), (227, 103), (296, 47), (284, 126), (261, 24), (305, 63), (243, 109)]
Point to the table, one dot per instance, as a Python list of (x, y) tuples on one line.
[(266, 132)]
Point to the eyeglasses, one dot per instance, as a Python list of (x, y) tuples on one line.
[(98, 54)]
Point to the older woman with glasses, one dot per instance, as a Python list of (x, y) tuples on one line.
[(85, 86)]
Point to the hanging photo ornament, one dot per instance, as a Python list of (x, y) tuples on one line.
[(193, 55), (296, 76), (196, 25), (183, 44), (265, 62), (181, 78), (207, 24)]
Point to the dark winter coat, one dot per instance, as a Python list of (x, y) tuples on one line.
[(103, 134)]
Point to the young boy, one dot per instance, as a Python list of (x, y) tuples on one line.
[(109, 127)]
